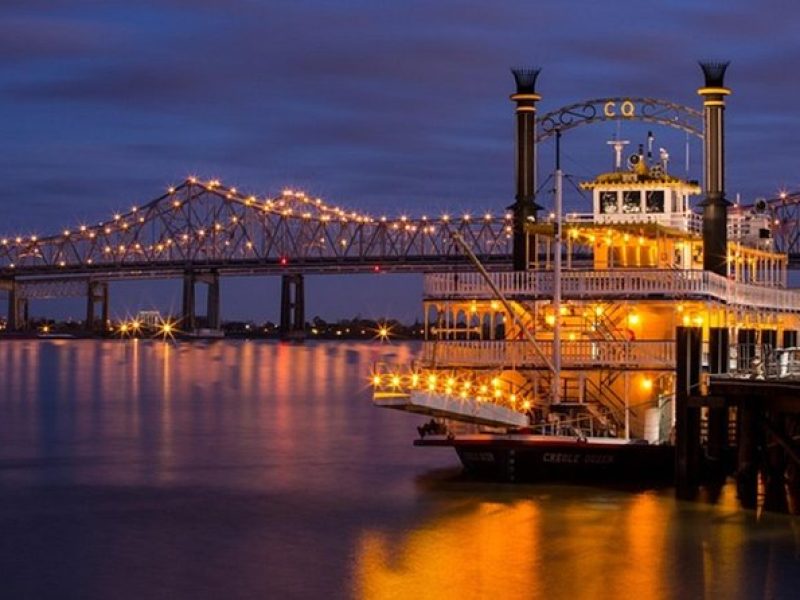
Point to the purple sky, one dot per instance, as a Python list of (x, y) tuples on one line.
[(386, 107)]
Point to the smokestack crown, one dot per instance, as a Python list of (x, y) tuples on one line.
[(526, 79), (714, 72)]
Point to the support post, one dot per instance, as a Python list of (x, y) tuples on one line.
[(688, 353), (96, 291), (213, 301), (718, 362), (748, 440), (14, 317), (525, 206), (187, 312), (293, 318), (774, 470), (299, 324)]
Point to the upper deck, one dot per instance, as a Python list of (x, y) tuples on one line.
[(612, 284)]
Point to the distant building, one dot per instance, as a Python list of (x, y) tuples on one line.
[(149, 318)]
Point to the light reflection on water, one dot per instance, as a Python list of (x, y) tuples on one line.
[(260, 470)]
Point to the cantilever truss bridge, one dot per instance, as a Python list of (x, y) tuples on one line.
[(206, 225)]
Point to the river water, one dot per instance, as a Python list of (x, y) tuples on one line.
[(143, 469)]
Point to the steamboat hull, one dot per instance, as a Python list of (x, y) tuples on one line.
[(540, 459)]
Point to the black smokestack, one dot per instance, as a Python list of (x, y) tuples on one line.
[(525, 208), (715, 206)]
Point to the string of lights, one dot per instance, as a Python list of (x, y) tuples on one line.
[(206, 221)]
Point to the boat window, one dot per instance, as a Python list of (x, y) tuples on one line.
[(632, 201), (608, 202), (655, 201)]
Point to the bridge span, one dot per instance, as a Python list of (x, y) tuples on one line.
[(202, 230)]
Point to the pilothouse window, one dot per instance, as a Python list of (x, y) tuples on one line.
[(608, 202), (631, 202), (655, 201)]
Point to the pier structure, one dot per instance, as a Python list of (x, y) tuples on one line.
[(739, 415)]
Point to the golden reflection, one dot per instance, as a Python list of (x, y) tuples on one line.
[(570, 543), (646, 542), (487, 552)]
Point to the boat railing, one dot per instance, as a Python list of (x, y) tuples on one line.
[(762, 361), (687, 221), (615, 283), (652, 354)]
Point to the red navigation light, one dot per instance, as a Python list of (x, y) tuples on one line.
[(377, 268), (284, 260)]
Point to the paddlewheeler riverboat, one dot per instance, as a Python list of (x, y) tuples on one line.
[(565, 367)]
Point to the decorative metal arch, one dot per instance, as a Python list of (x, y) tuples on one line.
[(648, 110)]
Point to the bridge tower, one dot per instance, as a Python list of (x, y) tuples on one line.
[(525, 207), (715, 206), (17, 315), (96, 292), (293, 314), (188, 316)]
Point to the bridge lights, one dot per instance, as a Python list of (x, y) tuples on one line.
[(284, 261)]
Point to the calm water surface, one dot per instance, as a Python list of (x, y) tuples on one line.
[(260, 470)]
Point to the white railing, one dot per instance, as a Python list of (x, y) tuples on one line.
[(643, 354), (689, 221), (619, 283), (759, 361)]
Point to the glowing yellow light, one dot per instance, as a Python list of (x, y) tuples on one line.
[(686, 320), (45, 329), (396, 380), (495, 305), (572, 337), (513, 398), (431, 380), (497, 393), (414, 380), (376, 380), (598, 310), (647, 384), (451, 382), (550, 320), (633, 319), (495, 381), (526, 405), (467, 385), (698, 320), (679, 308), (483, 389)]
